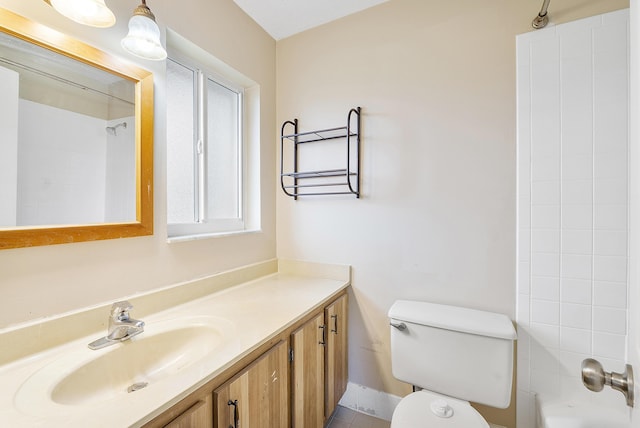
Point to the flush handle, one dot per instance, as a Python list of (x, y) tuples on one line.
[(399, 325), (595, 378)]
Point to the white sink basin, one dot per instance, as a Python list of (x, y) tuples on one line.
[(84, 377)]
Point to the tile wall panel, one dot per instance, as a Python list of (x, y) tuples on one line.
[(572, 205)]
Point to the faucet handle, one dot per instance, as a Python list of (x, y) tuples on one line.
[(118, 309)]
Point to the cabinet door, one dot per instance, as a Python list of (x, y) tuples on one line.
[(199, 415), (337, 376), (307, 344), (258, 397)]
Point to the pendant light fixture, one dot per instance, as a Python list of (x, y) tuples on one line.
[(87, 12), (143, 39)]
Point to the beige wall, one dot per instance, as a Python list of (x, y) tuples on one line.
[(436, 81), (43, 281)]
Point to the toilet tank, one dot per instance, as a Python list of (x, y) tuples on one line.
[(459, 352)]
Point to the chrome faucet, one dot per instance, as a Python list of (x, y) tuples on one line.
[(121, 326)]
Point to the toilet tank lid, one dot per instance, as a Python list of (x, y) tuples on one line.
[(472, 321)]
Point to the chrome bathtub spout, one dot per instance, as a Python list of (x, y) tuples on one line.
[(121, 326)]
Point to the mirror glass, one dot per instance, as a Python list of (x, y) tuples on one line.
[(71, 131), (76, 130)]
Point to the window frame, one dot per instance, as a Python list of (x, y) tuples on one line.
[(201, 226)]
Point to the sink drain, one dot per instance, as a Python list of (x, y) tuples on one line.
[(137, 386)]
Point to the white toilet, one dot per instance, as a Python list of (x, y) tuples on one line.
[(455, 355)]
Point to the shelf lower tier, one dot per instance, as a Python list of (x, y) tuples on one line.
[(299, 184)]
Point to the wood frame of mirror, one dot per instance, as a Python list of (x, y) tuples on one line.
[(28, 236)]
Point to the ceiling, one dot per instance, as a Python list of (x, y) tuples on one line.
[(283, 18)]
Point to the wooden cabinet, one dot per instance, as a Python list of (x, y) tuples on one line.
[(293, 379), (308, 370), (199, 415), (258, 397), (319, 366), (336, 353)]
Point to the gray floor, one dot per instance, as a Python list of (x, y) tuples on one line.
[(347, 418)]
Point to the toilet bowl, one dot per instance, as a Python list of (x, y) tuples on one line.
[(432, 410), (454, 356)]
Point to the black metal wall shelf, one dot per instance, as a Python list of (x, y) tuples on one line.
[(297, 183)]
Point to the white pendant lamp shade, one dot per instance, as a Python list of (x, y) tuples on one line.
[(87, 12), (143, 39)]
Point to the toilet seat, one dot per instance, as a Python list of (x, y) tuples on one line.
[(415, 411)]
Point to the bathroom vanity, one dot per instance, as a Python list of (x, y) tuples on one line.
[(308, 359), (261, 346)]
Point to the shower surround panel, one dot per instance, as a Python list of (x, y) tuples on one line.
[(572, 86)]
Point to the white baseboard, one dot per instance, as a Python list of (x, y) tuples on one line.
[(369, 401)]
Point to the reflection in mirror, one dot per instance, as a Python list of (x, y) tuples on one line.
[(74, 147), (76, 134)]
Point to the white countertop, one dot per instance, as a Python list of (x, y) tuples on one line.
[(248, 315)]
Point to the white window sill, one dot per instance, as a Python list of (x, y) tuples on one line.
[(199, 236)]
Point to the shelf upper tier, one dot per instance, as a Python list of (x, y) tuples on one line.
[(324, 134)]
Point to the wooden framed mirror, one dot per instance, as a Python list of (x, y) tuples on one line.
[(76, 133)]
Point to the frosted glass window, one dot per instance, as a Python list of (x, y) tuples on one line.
[(204, 154), (181, 155), (223, 156)]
